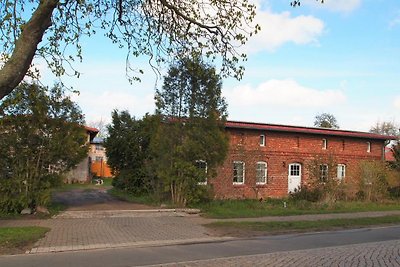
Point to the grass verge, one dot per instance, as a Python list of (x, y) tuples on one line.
[(274, 207), (66, 187), (144, 199), (241, 228), (18, 239)]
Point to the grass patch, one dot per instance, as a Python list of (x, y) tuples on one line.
[(275, 207), (67, 187), (126, 196), (278, 227), (19, 238)]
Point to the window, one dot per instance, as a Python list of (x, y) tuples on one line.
[(324, 144), (294, 169), (99, 158), (99, 147), (238, 172), (323, 173), (262, 140), (368, 147), (261, 173), (202, 167), (341, 171)]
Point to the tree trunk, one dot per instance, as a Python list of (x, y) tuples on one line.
[(15, 69)]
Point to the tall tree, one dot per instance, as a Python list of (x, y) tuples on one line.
[(127, 149), (41, 137), (160, 29), (387, 128), (191, 142), (326, 120)]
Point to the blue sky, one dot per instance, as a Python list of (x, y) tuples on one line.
[(341, 57)]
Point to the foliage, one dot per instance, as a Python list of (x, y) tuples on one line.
[(386, 128), (147, 199), (326, 120), (127, 149), (42, 137), (374, 180), (194, 113), (323, 184), (162, 30), (396, 154)]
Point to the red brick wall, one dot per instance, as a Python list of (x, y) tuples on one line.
[(280, 150)]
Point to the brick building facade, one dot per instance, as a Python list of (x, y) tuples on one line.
[(266, 160)]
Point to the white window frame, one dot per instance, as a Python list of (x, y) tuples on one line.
[(205, 170), (369, 147), (292, 166), (265, 172), (341, 171), (323, 173), (324, 143), (243, 173), (262, 140)]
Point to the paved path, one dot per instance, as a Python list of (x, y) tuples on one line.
[(122, 229), (93, 199), (385, 253)]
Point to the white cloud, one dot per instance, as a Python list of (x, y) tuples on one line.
[(343, 6), (396, 102), (283, 93), (396, 20), (100, 106), (278, 29)]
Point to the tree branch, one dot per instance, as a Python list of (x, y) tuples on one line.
[(16, 67)]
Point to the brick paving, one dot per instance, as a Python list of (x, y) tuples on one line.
[(385, 253), (121, 229), (83, 230)]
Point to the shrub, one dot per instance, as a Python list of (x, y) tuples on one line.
[(373, 184)]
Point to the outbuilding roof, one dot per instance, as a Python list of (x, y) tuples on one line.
[(307, 130), (91, 131)]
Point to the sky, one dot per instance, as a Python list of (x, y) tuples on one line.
[(341, 57)]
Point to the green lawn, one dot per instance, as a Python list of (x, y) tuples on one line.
[(274, 207), (67, 187), (20, 238), (144, 199), (278, 227)]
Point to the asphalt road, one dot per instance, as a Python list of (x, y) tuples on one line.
[(196, 252)]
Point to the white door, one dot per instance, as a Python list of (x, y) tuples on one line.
[(294, 177)]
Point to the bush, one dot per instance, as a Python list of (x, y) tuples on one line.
[(374, 184), (307, 193), (394, 192), (132, 181)]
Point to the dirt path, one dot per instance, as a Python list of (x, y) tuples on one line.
[(94, 199)]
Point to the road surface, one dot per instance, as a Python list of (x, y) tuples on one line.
[(361, 247)]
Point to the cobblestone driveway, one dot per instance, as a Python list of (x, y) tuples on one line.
[(368, 254)]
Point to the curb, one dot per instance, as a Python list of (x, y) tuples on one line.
[(139, 244), (124, 213)]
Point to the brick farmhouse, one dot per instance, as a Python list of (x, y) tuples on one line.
[(269, 160)]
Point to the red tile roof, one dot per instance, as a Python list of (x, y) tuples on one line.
[(308, 130), (91, 129)]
